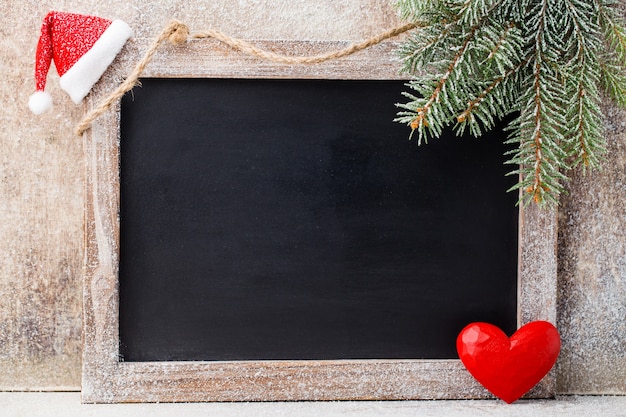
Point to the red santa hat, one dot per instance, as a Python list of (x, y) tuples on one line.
[(82, 48)]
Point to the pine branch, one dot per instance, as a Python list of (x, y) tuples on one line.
[(613, 58), (492, 102), (587, 145), (439, 106), (538, 154), (548, 60), (613, 26), (420, 121)]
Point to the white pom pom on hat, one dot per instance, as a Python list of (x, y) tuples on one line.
[(82, 48), (40, 102)]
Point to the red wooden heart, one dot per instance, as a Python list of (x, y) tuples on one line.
[(508, 367)]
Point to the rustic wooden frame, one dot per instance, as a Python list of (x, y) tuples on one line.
[(107, 379)]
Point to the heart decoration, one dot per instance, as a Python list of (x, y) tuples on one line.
[(508, 367)]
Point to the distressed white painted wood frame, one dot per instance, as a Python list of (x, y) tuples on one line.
[(106, 379)]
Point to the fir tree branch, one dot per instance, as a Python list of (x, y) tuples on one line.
[(418, 51), (467, 116), (540, 169), (501, 40), (548, 60), (586, 143), (613, 78), (613, 27), (420, 121), (423, 113), (613, 75)]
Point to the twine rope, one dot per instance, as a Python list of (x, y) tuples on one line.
[(177, 33)]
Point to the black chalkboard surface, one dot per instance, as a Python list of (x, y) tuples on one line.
[(293, 219)]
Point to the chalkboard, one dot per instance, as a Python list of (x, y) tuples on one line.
[(156, 331), (293, 219)]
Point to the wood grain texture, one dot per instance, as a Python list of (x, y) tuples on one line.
[(592, 273), (106, 379), (42, 195), (41, 230)]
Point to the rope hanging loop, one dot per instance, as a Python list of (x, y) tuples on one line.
[(177, 33)]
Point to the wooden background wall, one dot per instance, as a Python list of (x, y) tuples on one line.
[(42, 177)]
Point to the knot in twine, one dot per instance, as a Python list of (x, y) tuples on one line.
[(177, 33)]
